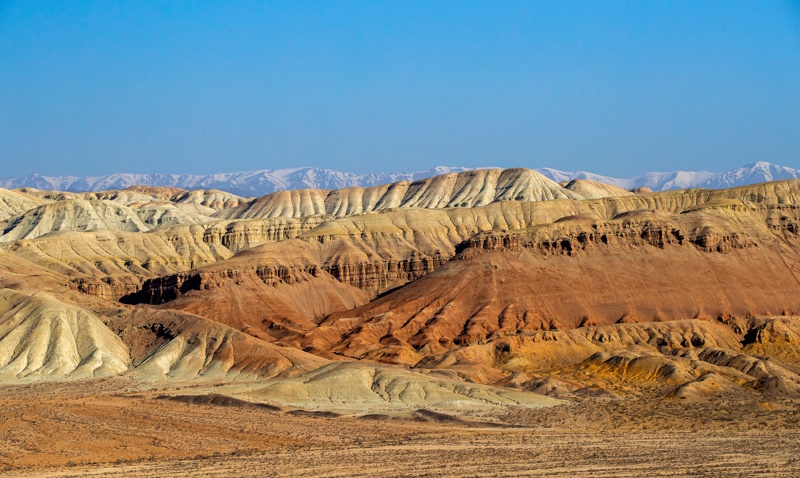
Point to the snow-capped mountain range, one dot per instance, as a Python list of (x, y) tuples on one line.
[(258, 183), (752, 173), (243, 183)]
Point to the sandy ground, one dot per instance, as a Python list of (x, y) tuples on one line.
[(116, 428)]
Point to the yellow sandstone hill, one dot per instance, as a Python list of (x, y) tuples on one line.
[(43, 338)]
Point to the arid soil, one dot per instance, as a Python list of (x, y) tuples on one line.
[(109, 428)]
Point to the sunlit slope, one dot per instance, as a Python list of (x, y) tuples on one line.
[(72, 215), (467, 189), (16, 202), (41, 337), (360, 387)]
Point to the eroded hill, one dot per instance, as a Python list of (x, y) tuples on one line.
[(503, 278)]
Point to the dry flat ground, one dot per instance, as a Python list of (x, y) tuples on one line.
[(118, 428)]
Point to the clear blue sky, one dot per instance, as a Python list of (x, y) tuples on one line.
[(613, 87)]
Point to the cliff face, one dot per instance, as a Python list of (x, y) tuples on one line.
[(239, 235), (369, 265), (109, 288), (488, 241), (381, 275), (167, 288)]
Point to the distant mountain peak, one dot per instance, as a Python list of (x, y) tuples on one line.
[(265, 181), (756, 172)]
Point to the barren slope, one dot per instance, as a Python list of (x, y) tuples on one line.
[(362, 388), (183, 347), (635, 270), (15, 202), (467, 189), (41, 337), (71, 215)]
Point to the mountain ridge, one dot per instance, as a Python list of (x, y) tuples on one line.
[(751, 173), (243, 183), (262, 182)]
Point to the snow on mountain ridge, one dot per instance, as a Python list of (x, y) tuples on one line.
[(243, 183), (752, 173), (261, 182)]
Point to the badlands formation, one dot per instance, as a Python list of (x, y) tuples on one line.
[(433, 327)]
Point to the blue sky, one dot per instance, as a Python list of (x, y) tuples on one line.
[(614, 87)]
